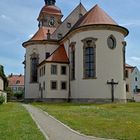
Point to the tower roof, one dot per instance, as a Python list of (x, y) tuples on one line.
[(41, 34), (95, 16), (50, 10)]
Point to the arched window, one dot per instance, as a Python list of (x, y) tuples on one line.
[(89, 52), (34, 64), (72, 60)]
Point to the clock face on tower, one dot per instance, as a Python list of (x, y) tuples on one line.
[(52, 21)]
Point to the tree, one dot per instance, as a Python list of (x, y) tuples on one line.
[(3, 77)]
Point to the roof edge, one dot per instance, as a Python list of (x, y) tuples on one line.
[(122, 29)]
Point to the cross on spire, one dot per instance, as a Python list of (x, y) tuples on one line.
[(50, 2)]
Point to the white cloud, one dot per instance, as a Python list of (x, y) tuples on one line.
[(135, 58), (5, 17), (131, 23)]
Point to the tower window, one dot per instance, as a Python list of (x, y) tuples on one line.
[(59, 35), (69, 25), (136, 79)]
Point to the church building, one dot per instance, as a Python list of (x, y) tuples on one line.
[(79, 59)]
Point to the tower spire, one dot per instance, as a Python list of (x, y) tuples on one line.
[(50, 2)]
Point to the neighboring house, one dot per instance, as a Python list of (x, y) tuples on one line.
[(132, 75), (79, 59), (16, 83)]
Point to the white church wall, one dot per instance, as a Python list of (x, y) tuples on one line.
[(109, 64), (32, 89)]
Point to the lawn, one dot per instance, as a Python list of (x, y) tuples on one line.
[(117, 121), (16, 124)]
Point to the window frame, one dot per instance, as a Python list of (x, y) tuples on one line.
[(65, 85), (90, 71), (52, 85), (63, 71), (54, 71)]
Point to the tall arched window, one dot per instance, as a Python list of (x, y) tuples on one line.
[(34, 64), (72, 60), (89, 52)]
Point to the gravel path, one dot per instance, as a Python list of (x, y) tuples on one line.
[(54, 129)]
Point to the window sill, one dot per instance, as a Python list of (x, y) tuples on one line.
[(91, 78), (33, 82)]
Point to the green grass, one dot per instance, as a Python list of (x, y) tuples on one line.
[(117, 121), (16, 124)]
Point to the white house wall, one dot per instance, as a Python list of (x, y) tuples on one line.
[(135, 83)]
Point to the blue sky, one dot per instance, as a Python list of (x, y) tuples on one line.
[(18, 22)]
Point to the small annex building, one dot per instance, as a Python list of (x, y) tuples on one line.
[(79, 59)]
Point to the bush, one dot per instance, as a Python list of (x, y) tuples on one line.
[(2, 99), (18, 95)]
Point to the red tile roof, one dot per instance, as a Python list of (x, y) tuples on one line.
[(41, 34), (127, 66), (59, 56), (95, 16), (15, 80)]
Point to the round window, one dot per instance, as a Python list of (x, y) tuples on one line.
[(111, 42)]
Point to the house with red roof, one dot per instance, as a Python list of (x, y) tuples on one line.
[(16, 83), (80, 59)]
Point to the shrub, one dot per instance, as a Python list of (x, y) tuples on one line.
[(19, 95), (2, 99)]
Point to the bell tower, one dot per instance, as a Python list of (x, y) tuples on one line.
[(50, 15)]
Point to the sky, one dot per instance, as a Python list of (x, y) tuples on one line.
[(18, 22)]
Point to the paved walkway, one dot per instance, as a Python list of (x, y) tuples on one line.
[(54, 129)]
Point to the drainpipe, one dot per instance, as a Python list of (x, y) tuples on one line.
[(69, 93)]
